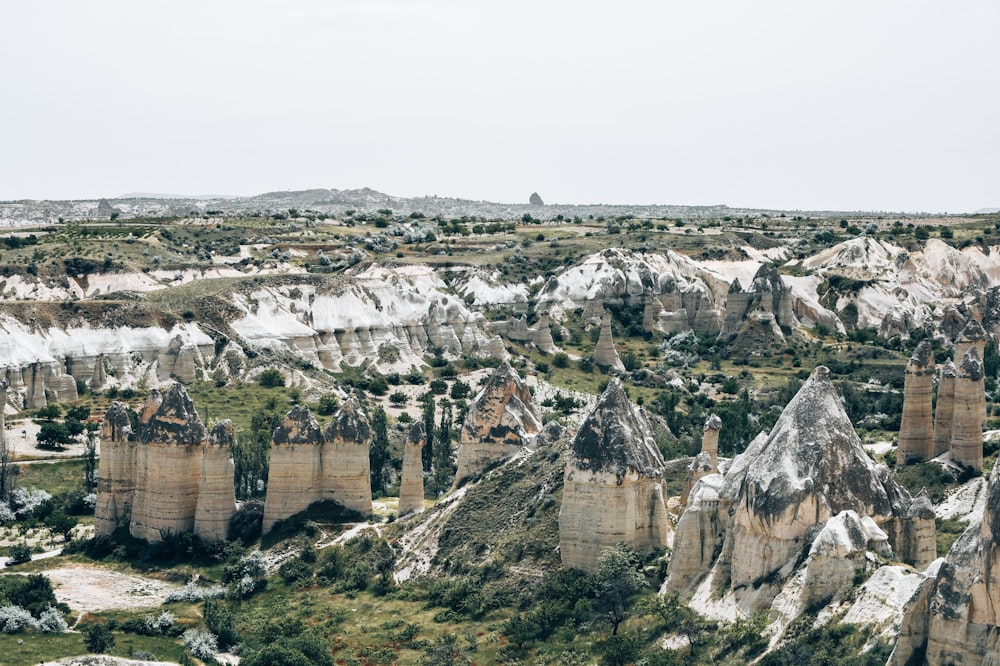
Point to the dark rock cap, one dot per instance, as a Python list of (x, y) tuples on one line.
[(923, 355), (973, 332), (171, 418), (616, 438), (972, 365), (299, 427), (117, 424), (222, 434), (349, 424), (417, 435)]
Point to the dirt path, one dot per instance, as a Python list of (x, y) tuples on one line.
[(89, 589)]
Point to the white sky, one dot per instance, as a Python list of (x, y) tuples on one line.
[(857, 104)]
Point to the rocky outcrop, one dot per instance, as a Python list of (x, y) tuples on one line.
[(345, 465), (613, 484), (293, 473), (411, 488), (535, 200), (700, 467), (710, 439), (953, 617), (542, 336), (969, 411), (836, 553), (916, 429), (99, 377), (767, 300), (915, 537), (216, 495), (169, 476), (779, 495), (605, 355), (944, 413), (168, 463), (500, 421), (310, 465), (115, 471)]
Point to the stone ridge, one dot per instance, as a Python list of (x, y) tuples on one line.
[(616, 438), (174, 422)]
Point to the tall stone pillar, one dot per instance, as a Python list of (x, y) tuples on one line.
[(945, 412), (115, 471), (411, 487), (916, 428), (970, 411), (710, 440), (216, 492), (605, 355)]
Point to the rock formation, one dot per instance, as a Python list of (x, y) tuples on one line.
[(710, 439), (613, 484), (115, 471), (535, 200), (167, 476), (99, 377), (972, 335), (944, 413), (411, 487), (969, 411), (168, 465), (916, 429), (310, 465), (500, 421), (216, 494), (344, 461), (700, 467), (605, 355), (779, 494), (767, 304), (293, 474), (953, 618), (542, 336)]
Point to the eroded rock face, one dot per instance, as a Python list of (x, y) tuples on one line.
[(969, 411), (612, 490), (216, 494), (499, 423), (779, 496), (310, 465), (700, 467), (346, 466), (115, 471), (168, 465), (944, 414), (605, 355), (916, 429), (411, 489), (293, 475), (954, 617)]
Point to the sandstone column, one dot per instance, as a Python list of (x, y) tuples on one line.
[(916, 428), (701, 466), (970, 411), (945, 411), (605, 355), (411, 488), (99, 378), (115, 471), (216, 492), (345, 466), (541, 337), (168, 463), (293, 475), (710, 439)]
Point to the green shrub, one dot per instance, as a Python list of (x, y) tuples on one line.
[(270, 378)]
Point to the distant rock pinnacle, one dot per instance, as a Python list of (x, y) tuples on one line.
[(535, 200)]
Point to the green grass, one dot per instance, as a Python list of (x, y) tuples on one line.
[(55, 478)]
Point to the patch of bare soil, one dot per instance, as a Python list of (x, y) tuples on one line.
[(90, 589)]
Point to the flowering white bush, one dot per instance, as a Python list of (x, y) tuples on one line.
[(192, 592), (200, 643), (51, 621), (14, 619), (157, 625)]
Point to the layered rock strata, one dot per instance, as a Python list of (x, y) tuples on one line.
[(969, 411), (500, 421), (605, 355), (916, 429), (411, 488), (613, 484), (216, 493), (954, 617), (309, 465), (115, 471)]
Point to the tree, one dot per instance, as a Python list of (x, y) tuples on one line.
[(378, 453), (90, 461), (61, 524), (398, 399), (443, 472), (328, 404), (618, 581), (98, 638), (49, 412), (445, 652), (427, 457), (270, 378), (54, 435)]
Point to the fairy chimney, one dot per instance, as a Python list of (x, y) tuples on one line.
[(945, 411), (605, 355), (216, 493), (916, 428), (710, 439), (345, 475), (293, 480), (411, 487), (970, 411)]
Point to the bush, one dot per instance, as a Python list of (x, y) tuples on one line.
[(51, 621), (19, 553), (271, 378), (328, 404), (220, 621), (98, 638), (200, 643), (14, 619), (192, 593)]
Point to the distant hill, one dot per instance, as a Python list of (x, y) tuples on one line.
[(156, 195), (986, 211)]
